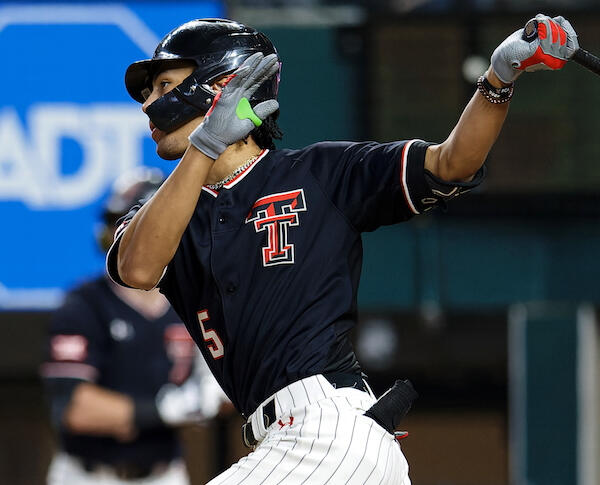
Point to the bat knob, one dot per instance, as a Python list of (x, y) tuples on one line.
[(530, 31)]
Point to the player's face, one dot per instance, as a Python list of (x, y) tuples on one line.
[(170, 146)]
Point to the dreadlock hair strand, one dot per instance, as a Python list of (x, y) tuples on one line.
[(267, 132)]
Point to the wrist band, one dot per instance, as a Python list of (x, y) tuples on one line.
[(492, 94)]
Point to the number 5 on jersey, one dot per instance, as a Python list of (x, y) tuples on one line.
[(212, 339)]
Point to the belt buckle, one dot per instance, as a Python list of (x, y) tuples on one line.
[(268, 417), (248, 435)]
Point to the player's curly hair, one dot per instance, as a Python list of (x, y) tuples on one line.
[(269, 130)]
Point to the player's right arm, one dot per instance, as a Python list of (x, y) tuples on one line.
[(152, 236)]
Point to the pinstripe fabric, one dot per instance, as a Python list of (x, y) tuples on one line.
[(329, 441)]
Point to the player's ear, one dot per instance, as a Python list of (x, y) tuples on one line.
[(217, 86)]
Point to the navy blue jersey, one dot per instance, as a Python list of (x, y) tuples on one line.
[(266, 274), (96, 337)]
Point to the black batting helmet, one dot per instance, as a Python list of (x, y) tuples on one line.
[(131, 188), (217, 47)]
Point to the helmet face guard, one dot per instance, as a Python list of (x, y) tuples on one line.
[(179, 105), (217, 48)]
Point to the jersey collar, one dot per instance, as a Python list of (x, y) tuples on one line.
[(240, 176)]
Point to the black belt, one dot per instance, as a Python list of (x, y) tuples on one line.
[(126, 471), (336, 379)]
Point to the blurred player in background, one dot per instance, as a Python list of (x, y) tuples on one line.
[(122, 373)]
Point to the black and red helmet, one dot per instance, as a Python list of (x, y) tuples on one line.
[(217, 47)]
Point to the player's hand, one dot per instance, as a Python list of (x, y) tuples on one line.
[(199, 398), (231, 118), (178, 405), (555, 43)]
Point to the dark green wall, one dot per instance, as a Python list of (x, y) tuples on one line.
[(544, 420), (317, 92), (462, 263), (552, 397)]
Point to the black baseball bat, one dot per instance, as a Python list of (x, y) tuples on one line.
[(587, 60), (580, 56)]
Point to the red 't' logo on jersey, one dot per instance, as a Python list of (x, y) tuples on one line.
[(276, 213)]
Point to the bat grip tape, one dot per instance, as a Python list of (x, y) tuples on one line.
[(587, 60), (391, 408)]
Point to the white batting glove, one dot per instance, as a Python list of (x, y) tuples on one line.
[(179, 405), (199, 398), (555, 43), (231, 118)]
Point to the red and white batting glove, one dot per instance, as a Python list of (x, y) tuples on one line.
[(555, 43)]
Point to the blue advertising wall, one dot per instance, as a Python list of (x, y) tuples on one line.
[(67, 129)]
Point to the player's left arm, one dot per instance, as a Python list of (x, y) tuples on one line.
[(464, 151), (98, 411), (460, 156)]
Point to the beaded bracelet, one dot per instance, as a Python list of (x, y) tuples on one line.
[(492, 94)]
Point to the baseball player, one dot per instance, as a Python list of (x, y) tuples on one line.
[(259, 250), (122, 373)]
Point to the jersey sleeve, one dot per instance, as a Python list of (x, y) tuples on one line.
[(113, 251), (75, 352), (375, 184)]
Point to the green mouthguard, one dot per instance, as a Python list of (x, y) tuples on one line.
[(244, 111)]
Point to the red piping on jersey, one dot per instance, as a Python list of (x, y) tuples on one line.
[(239, 177), (212, 192), (403, 166), (243, 173), (120, 229)]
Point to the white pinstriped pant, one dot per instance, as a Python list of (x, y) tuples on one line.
[(328, 441)]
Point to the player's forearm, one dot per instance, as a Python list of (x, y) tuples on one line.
[(463, 153), (154, 233), (94, 410)]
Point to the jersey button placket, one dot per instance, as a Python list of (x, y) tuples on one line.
[(223, 204), (223, 237)]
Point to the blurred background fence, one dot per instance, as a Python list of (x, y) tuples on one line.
[(489, 308)]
